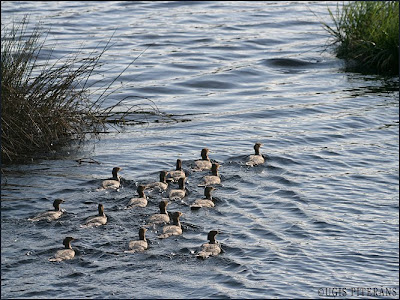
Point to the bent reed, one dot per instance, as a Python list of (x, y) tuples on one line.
[(366, 35), (47, 104)]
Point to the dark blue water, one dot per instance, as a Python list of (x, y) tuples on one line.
[(321, 213)]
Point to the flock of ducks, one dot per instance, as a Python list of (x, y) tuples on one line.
[(169, 221)]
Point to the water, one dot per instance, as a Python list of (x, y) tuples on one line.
[(321, 213)]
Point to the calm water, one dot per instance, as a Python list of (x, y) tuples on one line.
[(321, 213)]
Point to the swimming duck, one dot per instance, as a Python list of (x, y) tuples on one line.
[(161, 185), (176, 174), (139, 245), (114, 182), (207, 202), (140, 201), (100, 219), (64, 254), (162, 217), (257, 158), (180, 193), (212, 248), (51, 214), (175, 229), (204, 163), (212, 179)]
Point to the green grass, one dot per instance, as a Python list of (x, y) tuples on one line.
[(366, 35), (46, 104)]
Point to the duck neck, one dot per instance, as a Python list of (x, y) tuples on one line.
[(215, 172), (115, 176), (162, 178), (212, 240), (101, 211), (176, 222), (182, 184), (257, 150), (142, 194), (57, 207), (204, 156), (178, 165), (163, 210), (142, 236), (67, 245)]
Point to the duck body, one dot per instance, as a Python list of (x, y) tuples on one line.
[(114, 182), (208, 250), (100, 219), (212, 248), (50, 215), (64, 254), (212, 179), (140, 201), (257, 158), (207, 202), (138, 245), (161, 185), (177, 194), (175, 229), (204, 163), (202, 203), (162, 217)]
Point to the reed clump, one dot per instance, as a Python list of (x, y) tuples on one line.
[(366, 35), (46, 104)]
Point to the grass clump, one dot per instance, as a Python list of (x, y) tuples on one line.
[(45, 103), (366, 34)]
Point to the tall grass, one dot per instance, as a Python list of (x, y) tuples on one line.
[(366, 34), (45, 105)]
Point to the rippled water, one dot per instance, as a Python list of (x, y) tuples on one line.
[(321, 213)]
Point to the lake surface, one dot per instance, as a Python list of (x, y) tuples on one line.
[(321, 214)]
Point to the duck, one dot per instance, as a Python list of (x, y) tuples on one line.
[(177, 194), (161, 185), (139, 245), (178, 173), (257, 158), (212, 179), (100, 219), (114, 182), (212, 248), (175, 229), (162, 217), (140, 201), (204, 163), (207, 202), (66, 253), (50, 215)]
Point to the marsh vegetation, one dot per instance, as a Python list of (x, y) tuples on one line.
[(366, 35)]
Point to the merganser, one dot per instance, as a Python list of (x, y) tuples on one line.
[(162, 217), (161, 185), (177, 194), (207, 202), (100, 219), (64, 254), (257, 158), (140, 201), (176, 174), (204, 163), (114, 182), (212, 248), (51, 214), (139, 245), (212, 179), (175, 229)]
